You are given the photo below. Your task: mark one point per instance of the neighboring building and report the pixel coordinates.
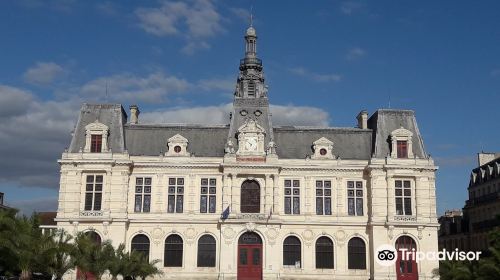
(250, 200)
(452, 231)
(47, 221)
(481, 213)
(3, 206)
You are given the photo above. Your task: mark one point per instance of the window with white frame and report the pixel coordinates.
(208, 195)
(324, 197)
(93, 192)
(175, 195)
(401, 143)
(142, 194)
(96, 137)
(292, 197)
(355, 198)
(403, 197)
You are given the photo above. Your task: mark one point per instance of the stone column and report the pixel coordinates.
(310, 192)
(276, 196)
(190, 190)
(235, 194)
(268, 194)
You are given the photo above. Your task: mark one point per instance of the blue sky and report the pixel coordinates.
(324, 62)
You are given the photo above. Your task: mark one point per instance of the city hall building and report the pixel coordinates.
(250, 200)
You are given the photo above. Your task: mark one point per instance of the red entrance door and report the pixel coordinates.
(249, 257)
(406, 268)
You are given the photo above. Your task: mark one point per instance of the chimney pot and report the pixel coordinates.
(134, 114)
(363, 119)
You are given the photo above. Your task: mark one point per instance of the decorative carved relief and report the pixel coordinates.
(250, 226)
(308, 236)
(157, 235)
(228, 234)
(420, 233)
(390, 232)
(271, 234)
(190, 234)
(341, 236)
(105, 227)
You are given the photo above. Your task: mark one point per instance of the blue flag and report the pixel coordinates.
(225, 214)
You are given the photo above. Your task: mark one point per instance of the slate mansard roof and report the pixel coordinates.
(293, 142)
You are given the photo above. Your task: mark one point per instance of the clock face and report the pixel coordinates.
(251, 144)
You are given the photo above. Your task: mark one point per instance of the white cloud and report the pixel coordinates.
(242, 14)
(455, 161)
(154, 88)
(33, 134)
(195, 20)
(282, 115)
(349, 7)
(193, 46)
(355, 53)
(225, 85)
(43, 73)
(302, 72)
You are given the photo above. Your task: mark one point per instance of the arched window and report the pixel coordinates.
(140, 243)
(250, 197)
(173, 251)
(356, 253)
(292, 251)
(324, 252)
(206, 251)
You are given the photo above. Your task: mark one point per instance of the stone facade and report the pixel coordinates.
(166, 180)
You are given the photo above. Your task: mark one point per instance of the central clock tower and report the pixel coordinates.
(251, 127)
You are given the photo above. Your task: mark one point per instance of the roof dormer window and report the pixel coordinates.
(96, 143)
(402, 147)
(96, 138)
(323, 149)
(401, 143)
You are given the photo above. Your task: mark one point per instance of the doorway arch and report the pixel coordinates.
(406, 269)
(249, 256)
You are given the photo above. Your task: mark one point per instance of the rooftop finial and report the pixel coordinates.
(251, 15)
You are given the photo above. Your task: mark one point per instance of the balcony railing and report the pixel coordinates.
(250, 60)
(404, 218)
(483, 199)
(91, 213)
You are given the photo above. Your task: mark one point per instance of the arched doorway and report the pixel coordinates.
(250, 197)
(96, 239)
(406, 268)
(249, 256)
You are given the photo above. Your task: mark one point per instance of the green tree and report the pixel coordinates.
(116, 263)
(60, 254)
(489, 267)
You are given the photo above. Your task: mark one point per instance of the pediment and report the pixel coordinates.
(177, 139)
(401, 132)
(251, 126)
(323, 141)
(96, 126)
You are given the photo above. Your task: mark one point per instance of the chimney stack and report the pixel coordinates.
(134, 114)
(363, 119)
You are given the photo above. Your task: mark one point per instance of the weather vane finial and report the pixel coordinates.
(251, 15)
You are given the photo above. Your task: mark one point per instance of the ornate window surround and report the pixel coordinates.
(96, 128)
(401, 134)
(320, 146)
(177, 141)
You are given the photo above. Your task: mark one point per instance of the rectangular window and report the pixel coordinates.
(355, 198)
(95, 143)
(402, 149)
(93, 193)
(403, 197)
(323, 197)
(292, 197)
(208, 195)
(175, 195)
(142, 194)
